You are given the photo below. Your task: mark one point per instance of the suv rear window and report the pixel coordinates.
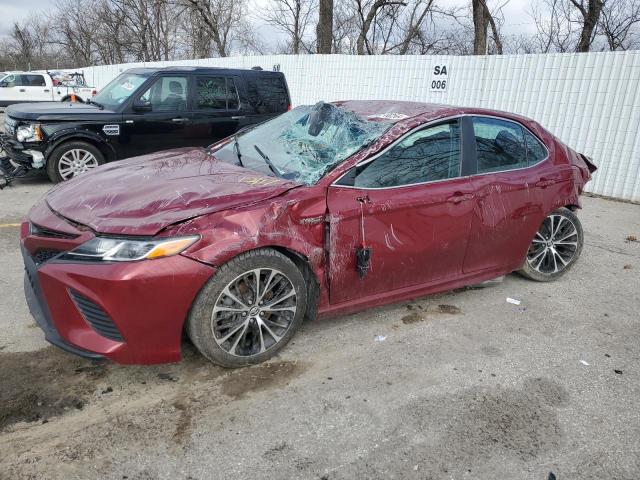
(267, 93)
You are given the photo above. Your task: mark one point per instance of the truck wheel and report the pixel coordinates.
(72, 159)
(68, 99)
(249, 309)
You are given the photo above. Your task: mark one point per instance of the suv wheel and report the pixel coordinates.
(249, 310)
(72, 159)
(555, 247)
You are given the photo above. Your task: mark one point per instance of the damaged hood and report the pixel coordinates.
(143, 195)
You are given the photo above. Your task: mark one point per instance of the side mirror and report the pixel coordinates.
(3, 84)
(142, 106)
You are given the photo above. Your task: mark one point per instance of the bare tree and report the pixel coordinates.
(567, 25)
(324, 29)
(619, 24)
(482, 19)
(292, 17)
(222, 17)
(590, 11)
(367, 12)
(28, 44)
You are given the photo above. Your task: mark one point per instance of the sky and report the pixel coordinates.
(515, 12)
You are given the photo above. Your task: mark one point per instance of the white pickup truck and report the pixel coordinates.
(26, 87)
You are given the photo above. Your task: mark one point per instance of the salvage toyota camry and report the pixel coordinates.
(327, 209)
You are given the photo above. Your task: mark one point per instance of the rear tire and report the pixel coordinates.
(249, 310)
(72, 159)
(555, 247)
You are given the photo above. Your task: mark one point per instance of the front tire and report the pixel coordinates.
(249, 310)
(555, 247)
(72, 159)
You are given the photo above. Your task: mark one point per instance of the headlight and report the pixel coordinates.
(29, 133)
(124, 250)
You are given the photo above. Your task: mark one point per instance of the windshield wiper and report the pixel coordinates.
(236, 147)
(272, 167)
(99, 105)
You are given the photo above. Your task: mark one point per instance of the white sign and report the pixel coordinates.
(439, 78)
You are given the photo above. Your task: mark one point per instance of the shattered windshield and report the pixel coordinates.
(303, 144)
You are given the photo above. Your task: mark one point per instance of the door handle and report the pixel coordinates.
(46, 90)
(21, 90)
(238, 117)
(544, 183)
(364, 199)
(178, 120)
(460, 197)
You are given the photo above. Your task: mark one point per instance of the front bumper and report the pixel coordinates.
(40, 311)
(79, 306)
(15, 150)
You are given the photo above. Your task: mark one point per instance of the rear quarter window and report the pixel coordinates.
(267, 93)
(536, 151)
(500, 145)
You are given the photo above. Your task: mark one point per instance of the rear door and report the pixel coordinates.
(164, 127)
(411, 207)
(508, 209)
(215, 109)
(35, 88)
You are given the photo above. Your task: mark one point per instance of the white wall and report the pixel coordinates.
(589, 100)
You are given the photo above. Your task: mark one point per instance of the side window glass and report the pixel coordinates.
(500, 145)
(10, 81)
(536, 152)
(266, 93)
(232, 95)
(167, 94)
(22, 81)
(211, 93)
(424, 156)
(35, 81)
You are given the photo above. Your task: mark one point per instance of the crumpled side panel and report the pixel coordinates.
(294, 221)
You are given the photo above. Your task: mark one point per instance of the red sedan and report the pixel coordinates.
(326, 209)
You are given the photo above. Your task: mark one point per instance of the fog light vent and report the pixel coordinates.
(96, 317)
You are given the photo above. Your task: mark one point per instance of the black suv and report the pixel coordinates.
(143, 110)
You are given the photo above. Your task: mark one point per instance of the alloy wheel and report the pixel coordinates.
(76, 161)
(254, 312)
(554, 245)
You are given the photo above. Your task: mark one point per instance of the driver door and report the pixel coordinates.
(411, 207)
(10, 90)
(164, 126)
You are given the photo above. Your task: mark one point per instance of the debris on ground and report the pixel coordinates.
(450, 309)
(631, 238)
(584, 362)
(627, 267)
(513, 300)
(380, 338)
(107, 390)
(168, 377)
(619, 372)
(414, 317)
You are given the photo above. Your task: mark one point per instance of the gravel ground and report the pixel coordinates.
(465, 385)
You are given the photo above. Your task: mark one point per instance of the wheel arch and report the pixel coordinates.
(67, 98)
(84, 136)
(313, 285)
(573, 207)
(304, 264)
